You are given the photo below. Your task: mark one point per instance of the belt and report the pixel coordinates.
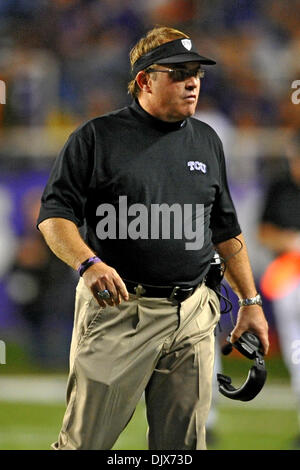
(170, 292)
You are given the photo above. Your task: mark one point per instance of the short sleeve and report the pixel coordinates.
(65, 194)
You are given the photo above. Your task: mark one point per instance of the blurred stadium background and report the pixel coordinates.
(65, 61)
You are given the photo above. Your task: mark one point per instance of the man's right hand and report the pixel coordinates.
(99, 277)
(64, 239)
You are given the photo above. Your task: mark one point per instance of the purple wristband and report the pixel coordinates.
(87, 263)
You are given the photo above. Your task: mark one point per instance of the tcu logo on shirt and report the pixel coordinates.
(197, 166)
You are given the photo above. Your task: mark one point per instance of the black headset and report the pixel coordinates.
(250, 346)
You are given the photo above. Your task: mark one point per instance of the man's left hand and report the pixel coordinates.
(251, 318)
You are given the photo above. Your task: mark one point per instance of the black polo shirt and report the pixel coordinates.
(116, 170)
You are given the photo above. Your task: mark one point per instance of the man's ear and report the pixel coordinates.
(144, 81)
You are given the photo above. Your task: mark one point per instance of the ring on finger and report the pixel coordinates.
(104, 294)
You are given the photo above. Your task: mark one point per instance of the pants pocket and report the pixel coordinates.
(88, 316)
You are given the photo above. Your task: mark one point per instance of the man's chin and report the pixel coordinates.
(182, 113)
(190, 111)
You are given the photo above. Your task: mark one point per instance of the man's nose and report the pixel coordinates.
(191, 83)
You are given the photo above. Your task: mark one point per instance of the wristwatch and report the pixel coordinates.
(257, 300)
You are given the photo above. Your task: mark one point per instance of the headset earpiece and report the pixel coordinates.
(250, 346)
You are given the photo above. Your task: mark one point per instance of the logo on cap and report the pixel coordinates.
(187, 43)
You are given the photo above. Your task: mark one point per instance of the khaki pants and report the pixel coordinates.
(145, 344)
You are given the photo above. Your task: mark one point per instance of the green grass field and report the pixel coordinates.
(34, 426)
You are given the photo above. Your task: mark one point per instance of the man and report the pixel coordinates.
(279, 231)
(141, 179)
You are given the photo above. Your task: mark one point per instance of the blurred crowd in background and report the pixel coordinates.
(66, 61)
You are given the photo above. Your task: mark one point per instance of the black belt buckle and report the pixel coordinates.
(180, 293)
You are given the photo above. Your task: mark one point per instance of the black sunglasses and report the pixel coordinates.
(179, 75)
